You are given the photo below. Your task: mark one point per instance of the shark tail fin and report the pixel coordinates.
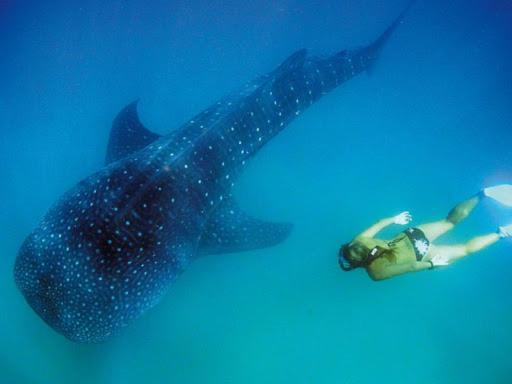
(372, 51)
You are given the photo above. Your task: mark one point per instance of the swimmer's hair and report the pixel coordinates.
(353, 255)
(357, 255)
(357, 252)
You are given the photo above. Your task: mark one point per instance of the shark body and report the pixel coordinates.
(110, 248)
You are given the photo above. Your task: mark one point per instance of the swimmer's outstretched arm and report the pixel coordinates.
(402, 219)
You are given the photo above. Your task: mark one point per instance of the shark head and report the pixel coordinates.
(50, 288)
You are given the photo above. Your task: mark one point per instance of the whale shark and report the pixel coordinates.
(111, 247)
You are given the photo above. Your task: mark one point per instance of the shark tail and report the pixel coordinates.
(372, 51)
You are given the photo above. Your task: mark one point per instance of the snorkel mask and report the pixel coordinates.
(343, 259)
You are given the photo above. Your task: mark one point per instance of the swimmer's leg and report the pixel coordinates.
(452, 253)
(433, 230)
(462, 210)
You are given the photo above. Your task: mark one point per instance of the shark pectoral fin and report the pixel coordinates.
(128, 135)
(231, 230)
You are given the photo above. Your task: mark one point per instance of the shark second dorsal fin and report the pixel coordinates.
(229, 230)
(128, 135)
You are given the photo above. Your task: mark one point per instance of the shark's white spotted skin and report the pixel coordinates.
(111, 246)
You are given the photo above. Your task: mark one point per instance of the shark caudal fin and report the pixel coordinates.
(368, 55)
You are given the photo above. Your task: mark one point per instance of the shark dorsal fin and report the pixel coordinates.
(128, 135)
(294, 61)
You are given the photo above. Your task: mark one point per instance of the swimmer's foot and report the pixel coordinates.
(505, 231)
(501, 193)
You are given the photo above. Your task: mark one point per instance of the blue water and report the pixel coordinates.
(429, 127)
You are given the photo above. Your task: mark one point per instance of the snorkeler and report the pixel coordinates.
(413, 249)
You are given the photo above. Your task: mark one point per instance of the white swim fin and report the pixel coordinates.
(501, 193)
(505, 231)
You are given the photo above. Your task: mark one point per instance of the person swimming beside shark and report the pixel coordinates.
(413, 249)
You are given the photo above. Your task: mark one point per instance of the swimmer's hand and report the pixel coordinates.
(440, 260)
(403, 218)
